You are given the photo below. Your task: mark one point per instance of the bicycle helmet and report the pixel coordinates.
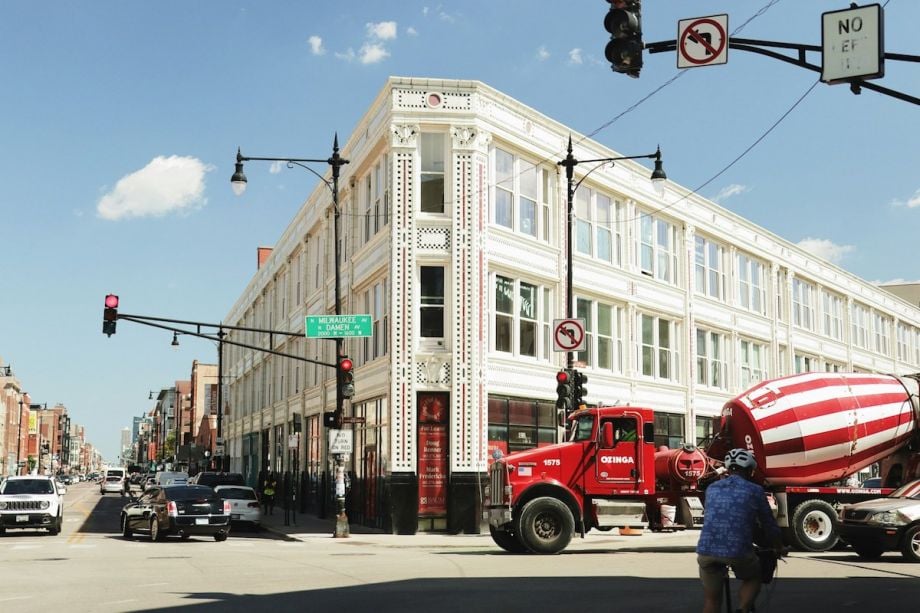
(740, 458)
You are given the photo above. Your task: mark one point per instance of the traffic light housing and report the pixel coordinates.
(346, 377)
(564, 390)
(110, 314)
(624, 22)
(329, 419)
(579, 389)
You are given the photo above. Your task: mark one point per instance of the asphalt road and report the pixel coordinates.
(90, 567)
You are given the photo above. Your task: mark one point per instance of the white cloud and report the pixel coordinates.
(542, 53)
(730, 190)
(316, 45)
(911, 203)
(348, 56)
(371, 53)
(444, 16)
(425, 11)
(165, 185)
(276, 167)
(384, 30)
(411, 31)
(826, 249)
(575, 56)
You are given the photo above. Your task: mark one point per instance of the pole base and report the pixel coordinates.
(341, 526)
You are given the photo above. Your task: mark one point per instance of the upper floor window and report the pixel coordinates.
(751, 293)
(711, 364)
(658, 248)
(658, 352)
(881, 329)
(805, 363)
(522, 196)
(803, 304)
(599, 228)
(431, 308)
(753, 363)
(833, 316)
(710, 268)
(907, 336)
(432, 174)
(518, 321)
(859, 325)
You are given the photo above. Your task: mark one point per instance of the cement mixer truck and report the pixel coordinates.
(807, 431)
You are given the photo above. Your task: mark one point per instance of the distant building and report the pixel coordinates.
(453, 240)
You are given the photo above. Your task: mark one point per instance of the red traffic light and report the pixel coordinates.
(562, 377)
(111, 301)
(345, 365)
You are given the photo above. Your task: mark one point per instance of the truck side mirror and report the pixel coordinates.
(607, 434)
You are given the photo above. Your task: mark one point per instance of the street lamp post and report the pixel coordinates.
(658, 178)
(238, 182)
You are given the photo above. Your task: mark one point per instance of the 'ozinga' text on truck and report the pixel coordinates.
(807, 432)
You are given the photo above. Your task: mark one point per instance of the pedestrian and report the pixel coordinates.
(735, 508)
(268, 492)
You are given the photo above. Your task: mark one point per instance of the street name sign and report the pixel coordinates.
(852, 44)
(702, 41)
(338, 326)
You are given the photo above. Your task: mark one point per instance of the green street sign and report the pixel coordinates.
(338, 326)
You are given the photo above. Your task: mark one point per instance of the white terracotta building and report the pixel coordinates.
(453, 240)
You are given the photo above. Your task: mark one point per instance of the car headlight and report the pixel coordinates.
(45, 504)
(887, 518)
(2, 506)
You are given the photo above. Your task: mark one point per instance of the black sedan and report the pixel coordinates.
(184, 510)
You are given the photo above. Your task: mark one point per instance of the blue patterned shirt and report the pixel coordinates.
(733, 507)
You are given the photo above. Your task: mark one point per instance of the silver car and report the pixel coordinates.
(244, 504)
(875, 526)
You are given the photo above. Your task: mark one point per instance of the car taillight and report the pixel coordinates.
(253, 505)
(172, 509)
(226, 507)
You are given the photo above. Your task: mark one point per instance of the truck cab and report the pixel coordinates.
(602, 476)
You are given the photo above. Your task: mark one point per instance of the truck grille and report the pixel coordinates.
(497, 483)
(23, 505)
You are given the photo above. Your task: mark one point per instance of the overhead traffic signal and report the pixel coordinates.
(579, 390)
(624, 22)
(346, 377)
(564, 390)
(110, 315)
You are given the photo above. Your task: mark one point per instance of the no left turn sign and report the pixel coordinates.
(568, 334)
(702, 41)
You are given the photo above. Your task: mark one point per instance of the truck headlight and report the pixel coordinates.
(2, 506)
(45, 504)
(887, 518)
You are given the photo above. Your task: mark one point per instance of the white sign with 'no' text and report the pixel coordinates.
(851, 44)
(341, 441)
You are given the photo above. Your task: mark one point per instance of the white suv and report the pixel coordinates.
(31, 501)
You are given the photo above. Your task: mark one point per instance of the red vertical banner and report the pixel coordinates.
(432, 454)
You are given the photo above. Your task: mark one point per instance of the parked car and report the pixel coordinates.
(148, 483)
(183, 510)
(873, 527)
(112, 481)
(31, 501)
(244, 504)
(213, 479)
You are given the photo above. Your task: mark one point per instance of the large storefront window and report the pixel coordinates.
(669, 430)
(518, 423)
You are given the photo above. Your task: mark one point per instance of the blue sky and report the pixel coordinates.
(120, 121)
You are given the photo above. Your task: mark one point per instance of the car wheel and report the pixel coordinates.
(155, 534)
(910, 546)
(125, 528)
(220, 537)
(868, 550)
(546, 525)
(814, 524)
(507, 540)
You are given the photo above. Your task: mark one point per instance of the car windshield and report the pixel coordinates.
(188, 492)
(237, 493)
(27, 486)
(909, 490)
(580, 429)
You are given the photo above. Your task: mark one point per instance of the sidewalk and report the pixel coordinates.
(307, 524)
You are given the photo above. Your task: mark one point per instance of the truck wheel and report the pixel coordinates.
(814, 525)
(546, 525)
(910, 546)
(506, 540)
(867, 550)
